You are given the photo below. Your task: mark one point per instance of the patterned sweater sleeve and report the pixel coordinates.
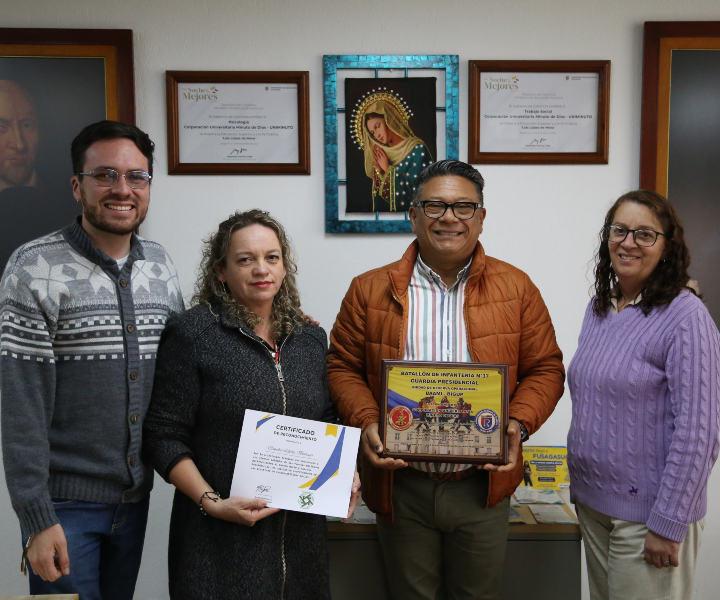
(27, 381)
(170, 420)
(693, 372)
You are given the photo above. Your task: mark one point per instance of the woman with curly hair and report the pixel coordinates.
(245, 344)
(644, 384)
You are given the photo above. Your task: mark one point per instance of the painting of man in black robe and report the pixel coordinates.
(44, 103)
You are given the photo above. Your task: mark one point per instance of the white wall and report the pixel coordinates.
(544, 219)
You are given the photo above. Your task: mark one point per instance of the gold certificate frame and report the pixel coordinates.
(444, 412)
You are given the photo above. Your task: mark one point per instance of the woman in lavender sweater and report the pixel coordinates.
(645, 385)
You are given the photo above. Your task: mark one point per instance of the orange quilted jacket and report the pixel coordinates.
(507, 323)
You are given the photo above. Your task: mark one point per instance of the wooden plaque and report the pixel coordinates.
(444, 412)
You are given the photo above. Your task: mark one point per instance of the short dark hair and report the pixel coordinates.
(109, 130)
(442, 168)
(670, 276)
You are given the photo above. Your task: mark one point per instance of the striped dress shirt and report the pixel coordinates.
(436, 329)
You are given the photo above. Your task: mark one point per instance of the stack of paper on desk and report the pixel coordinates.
(549, 514)
(528, 495)
(515, 516)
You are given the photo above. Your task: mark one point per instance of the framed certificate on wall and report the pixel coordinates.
(444, 412)
(539, 112)
(238, 122)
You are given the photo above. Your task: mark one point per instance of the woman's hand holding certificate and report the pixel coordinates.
(297, 464)
(245, 511)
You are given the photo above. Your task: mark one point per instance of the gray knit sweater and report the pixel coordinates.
(78, 342)
(210, 370)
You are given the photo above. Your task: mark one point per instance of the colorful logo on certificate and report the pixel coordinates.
(400, 418)
(306, 500)
(487, 421)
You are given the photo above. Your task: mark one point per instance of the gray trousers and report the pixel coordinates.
(617, 569)
(444, 544)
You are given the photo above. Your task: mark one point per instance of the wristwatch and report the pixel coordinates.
(523, 432)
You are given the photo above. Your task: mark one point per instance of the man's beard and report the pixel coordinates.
(92, 213)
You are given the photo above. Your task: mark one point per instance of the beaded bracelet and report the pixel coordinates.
(214, 496)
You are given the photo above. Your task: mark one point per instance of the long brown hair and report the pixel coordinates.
(286, 316)
(670, 276)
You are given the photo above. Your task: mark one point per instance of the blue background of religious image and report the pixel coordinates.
(68, 93)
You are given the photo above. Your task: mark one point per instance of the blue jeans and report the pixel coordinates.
(105, 544)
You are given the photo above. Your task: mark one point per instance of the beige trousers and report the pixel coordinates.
(617, 569)
(444, 544)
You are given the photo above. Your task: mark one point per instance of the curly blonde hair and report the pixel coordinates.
(286, 316)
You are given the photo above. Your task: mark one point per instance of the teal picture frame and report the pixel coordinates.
(448, 63)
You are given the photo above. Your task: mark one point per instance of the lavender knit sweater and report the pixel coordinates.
(644, 432)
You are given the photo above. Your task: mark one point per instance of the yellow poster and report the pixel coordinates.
(545, 467)
(445, 411)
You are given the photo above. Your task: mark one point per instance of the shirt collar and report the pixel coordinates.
(614, 302)
(80, 240)
(433, 277)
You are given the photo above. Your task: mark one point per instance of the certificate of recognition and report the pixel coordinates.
(296, 464)
(539, 112)
(444, 412)
(235, 123)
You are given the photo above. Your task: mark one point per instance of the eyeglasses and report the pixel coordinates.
(642, 237)
(105, 177)
(436, 209)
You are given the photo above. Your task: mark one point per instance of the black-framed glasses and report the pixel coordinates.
(436, 209)
(105, 177)
(642, 237)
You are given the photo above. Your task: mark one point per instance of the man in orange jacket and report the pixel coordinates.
(443, 527)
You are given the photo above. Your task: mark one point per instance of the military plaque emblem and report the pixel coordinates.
(400, 418)
(486, 421)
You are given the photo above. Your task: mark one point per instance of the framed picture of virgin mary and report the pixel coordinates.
(385, 116)
(386, 148)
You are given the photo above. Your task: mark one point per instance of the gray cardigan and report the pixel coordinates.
(77, 355)
(209, 370)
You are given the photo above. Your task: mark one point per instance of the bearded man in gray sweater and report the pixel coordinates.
(81, 313)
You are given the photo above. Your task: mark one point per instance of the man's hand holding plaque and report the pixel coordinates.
(372, 446)
(513, 431)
